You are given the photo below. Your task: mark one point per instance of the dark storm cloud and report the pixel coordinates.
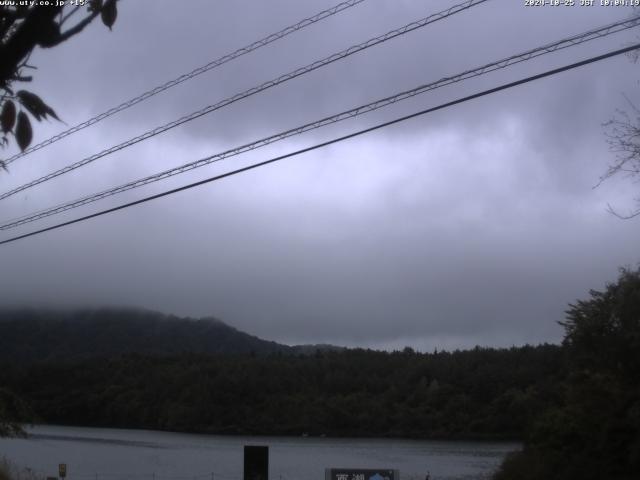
(477, 224)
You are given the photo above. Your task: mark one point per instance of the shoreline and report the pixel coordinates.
(448, 439)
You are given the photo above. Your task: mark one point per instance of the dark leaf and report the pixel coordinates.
(49, 34)
(109, 13)
(95, 5)
(24, 134)
(35, 105)
(3, 165)
(8, 116)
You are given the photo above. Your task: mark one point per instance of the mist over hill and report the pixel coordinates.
(28, 335)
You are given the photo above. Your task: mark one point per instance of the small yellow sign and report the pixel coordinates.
(62, 470)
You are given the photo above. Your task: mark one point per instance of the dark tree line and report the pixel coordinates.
(484, 393)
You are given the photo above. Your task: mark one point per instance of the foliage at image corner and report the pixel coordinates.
(23, 28)
(594, 433)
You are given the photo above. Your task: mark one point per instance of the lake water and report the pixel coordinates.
(113, 454)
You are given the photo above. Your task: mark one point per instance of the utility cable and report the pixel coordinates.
(330, 142)
(188, 76)
(252, 91)
(354, 112)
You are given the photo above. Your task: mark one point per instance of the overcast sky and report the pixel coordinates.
(475, 225)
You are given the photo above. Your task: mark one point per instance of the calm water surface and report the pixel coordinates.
(113, 454)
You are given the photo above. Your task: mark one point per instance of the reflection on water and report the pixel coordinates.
(112, 454)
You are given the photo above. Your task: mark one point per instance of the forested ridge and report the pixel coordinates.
(480, 393)
(28, 335)
(576, 406)
(142, 369)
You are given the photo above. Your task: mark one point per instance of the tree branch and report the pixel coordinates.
(68, 15)
(25, 38)
(77, 28)
(612, 211)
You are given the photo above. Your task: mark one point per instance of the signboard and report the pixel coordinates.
(62, 470)
(361, 474)
(256, 462)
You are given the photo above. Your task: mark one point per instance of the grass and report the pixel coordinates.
(9, 471)
(4, 471)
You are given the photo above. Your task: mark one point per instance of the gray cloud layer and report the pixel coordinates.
(477, 224)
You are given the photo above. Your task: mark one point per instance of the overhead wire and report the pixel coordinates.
(354, 112)
(254, 90)
(505, 86)
(188, 76)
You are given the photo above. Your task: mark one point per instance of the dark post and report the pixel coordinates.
(256, 462)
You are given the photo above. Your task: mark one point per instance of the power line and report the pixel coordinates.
(252, 91)
(188, 76)
(487, 68)
(330, 142)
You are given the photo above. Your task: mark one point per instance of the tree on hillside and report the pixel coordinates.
(22, 29)
(623, 137)
(622, 133)
(603, 333)
(13, 412)
(595, 433)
